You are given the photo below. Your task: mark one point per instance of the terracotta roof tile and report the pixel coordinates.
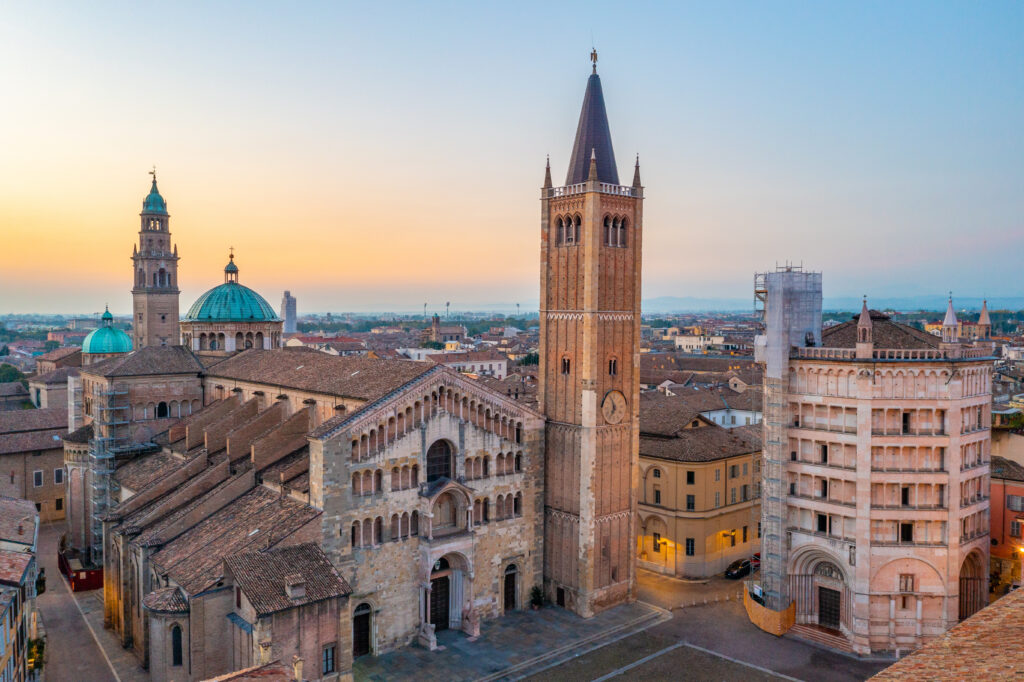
(14, 514)
(259, 518)
(56, 377)
(262, 577)
(884, 334)
(1006, 469)
(141, 471)
(147, 361)
(275, 671)
(988, 646)
(305, 370)
(166, 600)
(80, 435)
(30, 441)
(59, 353)
(13, 566)
(33, 420)
(9, 389)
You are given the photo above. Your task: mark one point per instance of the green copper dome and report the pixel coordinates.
(107, 339)
(154, 203)
(231, 302)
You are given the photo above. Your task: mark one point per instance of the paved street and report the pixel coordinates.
(71, 651)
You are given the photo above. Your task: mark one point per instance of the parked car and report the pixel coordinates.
(742, 567)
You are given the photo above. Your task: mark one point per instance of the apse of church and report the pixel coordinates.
(590, 332)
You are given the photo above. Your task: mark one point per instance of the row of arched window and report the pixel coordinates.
(163, 409)
(504, 507)
(376, 439)
(370, 532)
(615, 231)
(370, 481)
(161, 278)
(567, 230)
(504, 463)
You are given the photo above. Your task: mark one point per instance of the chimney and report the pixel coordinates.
(297, 668)
(295, 586)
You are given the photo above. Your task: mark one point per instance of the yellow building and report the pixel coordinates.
(698, 504)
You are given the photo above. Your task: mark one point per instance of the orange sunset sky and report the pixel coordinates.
(383, 155)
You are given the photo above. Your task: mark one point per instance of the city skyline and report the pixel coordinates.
(365, 174)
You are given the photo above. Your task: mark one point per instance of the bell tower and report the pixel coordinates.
(591, 234)
(155, 276)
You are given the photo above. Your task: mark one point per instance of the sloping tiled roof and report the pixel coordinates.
(986, 646)
(15, 513)
(80, 435)
(702, 444)
(59, 353)
(56, 377)
(262, 577)
(166, 600)
(1006, 469)
(260, 518)
(10, 389)
(14, 421)
(141, 471)
(148, 361)
(275, 671)
(30, 441)
(884, 334)
(354, 376)
(13, 566)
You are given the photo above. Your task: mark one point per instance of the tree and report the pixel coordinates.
(5, 351)
(531, 359)
(10, 373)
(51, 345)
(436, 345)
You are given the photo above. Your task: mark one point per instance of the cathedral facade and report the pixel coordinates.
(429, 501)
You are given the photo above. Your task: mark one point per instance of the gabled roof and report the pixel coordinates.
(148, 361)
(1006, 469)
(303, 369)
(17, 421)
(592, 136)
(166, 600)
(12, 388)
(262, 577)
(59, 353)
(57, 377)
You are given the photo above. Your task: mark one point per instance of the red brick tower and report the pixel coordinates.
(589, 359)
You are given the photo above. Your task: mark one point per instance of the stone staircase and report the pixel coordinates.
(826, 637)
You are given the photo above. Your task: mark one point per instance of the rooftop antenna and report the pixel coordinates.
(447, 309)
(424, 310)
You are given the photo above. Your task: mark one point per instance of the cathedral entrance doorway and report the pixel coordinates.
(828, 608)
(510, 588)
(361, 630)
(439, 596)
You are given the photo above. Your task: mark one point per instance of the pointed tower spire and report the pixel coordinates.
(636, 173)
(592, 133)
(865, 345)
(984, 323)
(950, 323)
(547, 174)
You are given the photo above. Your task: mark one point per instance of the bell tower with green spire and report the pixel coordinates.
(155, 275)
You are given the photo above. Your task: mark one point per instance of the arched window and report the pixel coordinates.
(176, 645)
(396, 530)
(154, 278)
(357, 537)
(613, 366)
(378, 481)
(414, 524)
(607, 231)
(213, 342)
(560, 238)
(519, 461)
(622, 233)
(161, 410)
(378, 530)
(439, 461)
(566, 365)
(517, 508)
(259, 339)
(576, 231)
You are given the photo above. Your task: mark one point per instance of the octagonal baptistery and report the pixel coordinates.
(230, 317)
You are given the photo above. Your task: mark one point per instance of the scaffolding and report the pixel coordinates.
(789, 301)
(111, 416)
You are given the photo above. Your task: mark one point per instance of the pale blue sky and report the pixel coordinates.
(879, 142)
